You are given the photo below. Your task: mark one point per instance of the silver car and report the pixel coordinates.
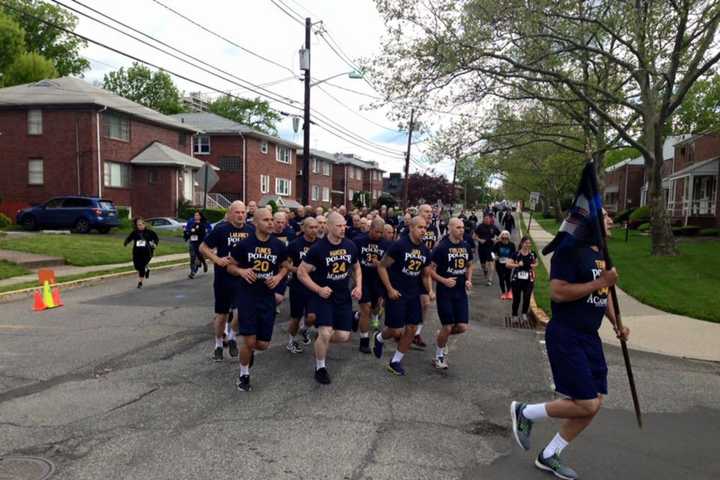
(165, 223)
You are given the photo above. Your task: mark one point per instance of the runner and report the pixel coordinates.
(251, 207)
(523, 263)
(298, 293)
(579, 287)
(430, 239)
(283, 232)
(322, 225)
(389, 233)
(402, 270)
(222, 239)
(144, 242)
(261, 262)
(503, 251)
(371, 248)
(452, 270)
(194, 233)
(486, 233)
(325, 271)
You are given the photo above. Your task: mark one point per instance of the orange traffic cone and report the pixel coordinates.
(38, 304)
(56, 297)
(47, 296)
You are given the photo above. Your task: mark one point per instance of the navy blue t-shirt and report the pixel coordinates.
(333, 266)
(286, 236)
(409, 261)
(224, 237)
(265, 258)
(297, 250)
(579, 265)
(431, 236)
(486, 232)
(504, 251)
(369, 251)
(452, 260)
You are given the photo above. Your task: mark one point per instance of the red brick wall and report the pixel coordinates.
(701, 148)
(259, 163)
(370, 184)
(323, 181)
(163, 192)
(231, 181)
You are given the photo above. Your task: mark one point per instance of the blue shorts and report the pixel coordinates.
(338, 315)
(372, 290)
(298, 300)
(577, 362)
(257, 317)
(223, 290)
(404, 311)
(452, 307)
(280, 289)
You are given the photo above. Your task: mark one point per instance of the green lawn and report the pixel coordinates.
(549, 224)
(685, 285)
(83, 250)
(9, 269)
(542, 279)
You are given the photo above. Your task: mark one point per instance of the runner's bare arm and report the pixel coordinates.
(382, 267)
(427, 281)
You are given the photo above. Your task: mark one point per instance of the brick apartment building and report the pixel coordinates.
(322, 165)
(67, 137)
(623, 183)
(352, 175)
(251, 164)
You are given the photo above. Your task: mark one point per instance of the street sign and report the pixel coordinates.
(207, 183)
(534, 199)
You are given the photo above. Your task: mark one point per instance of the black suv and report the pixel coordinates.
(80, 214)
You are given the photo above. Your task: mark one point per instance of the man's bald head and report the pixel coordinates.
(236, 213)
(377, 228)
(456, 229)
(418, 227)
(425, 211)
(335, 227)
(334, 218)
(263, 220)
(310, 228)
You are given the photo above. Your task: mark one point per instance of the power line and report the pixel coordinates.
(292, 17)
(294, 12)
(355, 112)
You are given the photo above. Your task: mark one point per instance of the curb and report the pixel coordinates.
(537, 313)
(27, 292)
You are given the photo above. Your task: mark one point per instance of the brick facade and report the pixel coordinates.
(319, 181)
(623, 186)
(373, 183)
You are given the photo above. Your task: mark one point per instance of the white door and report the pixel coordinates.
(187, 185)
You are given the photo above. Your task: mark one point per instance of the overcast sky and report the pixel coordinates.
(263, 28)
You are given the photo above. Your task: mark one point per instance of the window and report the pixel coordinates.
(351, 194)
(153, 176)
(283, 154)
(230, 163)
(117, 175)
(315, 193)
(54, 203)
(264, 183)
(35, 172)
(263, 147)
(283, 186)
(326, 168)
(315, 165)
(77, 203)
(201, 145)
(34, 119)
(326, 194)
(116, 127)
(182, 139)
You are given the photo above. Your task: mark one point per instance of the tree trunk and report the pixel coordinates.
(662, 239)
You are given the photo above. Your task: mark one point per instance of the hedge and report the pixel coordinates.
(710, 232)
(5, 221)
(624, 216)
(645, 227)
(212, 214)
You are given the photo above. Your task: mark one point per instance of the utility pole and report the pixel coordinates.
(455, 169)
(305, 55)
(407, 159)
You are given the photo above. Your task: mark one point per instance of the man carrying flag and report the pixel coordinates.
(580, 288)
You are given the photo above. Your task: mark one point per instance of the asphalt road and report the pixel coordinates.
(119, 384)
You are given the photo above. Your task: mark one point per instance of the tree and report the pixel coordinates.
(429, 187)
(138, 83)
(253, 113)
(12, 42)
(29, 67)
(700, 111)
(61, 48)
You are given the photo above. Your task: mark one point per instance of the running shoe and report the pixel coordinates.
(232, 348)
(555, 466)
(356, 321)
(365, 345)
(522, 426)
(508, 296)
(191, 276)
(378, 348)
(418, 342)
(440, 363)
(396, 368)
(139, 284)
(503, 296)
(305, 336)
(489, 283)
(147, 272)
(322, 376)
(524, 317)
(294, 347)
(218, 354)
(243, 383)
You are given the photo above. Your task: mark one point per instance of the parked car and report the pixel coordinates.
(79, 214)
(165, 223)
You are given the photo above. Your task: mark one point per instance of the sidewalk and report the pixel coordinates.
(66, 270)
(652, 330)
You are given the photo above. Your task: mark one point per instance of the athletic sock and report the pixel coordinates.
(418, 329)
(376, 317)
(231, 336)
(397, 358)
(379, 337)
(218, 342)
(319, 364)
(244, 369)
(556, 446)
(536, 411)
(364, 334)
(439, 351)
(291, 338)
(302, 323)
(227, 329)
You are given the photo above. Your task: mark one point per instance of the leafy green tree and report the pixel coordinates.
(12, 42)
(253, 113)
(29, 67)
(138, 83)
(700, 111)
(58, 46)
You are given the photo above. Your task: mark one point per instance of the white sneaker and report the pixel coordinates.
(440, 363)
(524, 317)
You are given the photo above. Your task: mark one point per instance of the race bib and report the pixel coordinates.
(523, 275)
(140, 243)
(193, 238)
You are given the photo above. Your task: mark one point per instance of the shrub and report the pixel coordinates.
(212, 214)
(123, 213)
(4, 221)
(641, 215)
(645, 227)
(623, 216)
(710, 232)
(686, 231)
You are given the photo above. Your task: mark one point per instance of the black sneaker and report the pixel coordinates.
(139, 284)
(204, 267)
(147, 272)
(191, 276)
(232, 348)
(322, 376)
(218, 354)
(365, 345)
(243, 383)
(554, 465)
(305, 336)
(378, 348)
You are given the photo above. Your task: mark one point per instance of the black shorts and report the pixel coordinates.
(299, 296)
(257, 316)
(338, 315)
(372, 291)
(223, 290)
(485, 251)
(403, 311)
(280, 289)
(452, 307)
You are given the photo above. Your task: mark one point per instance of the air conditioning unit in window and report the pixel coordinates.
(300, 173)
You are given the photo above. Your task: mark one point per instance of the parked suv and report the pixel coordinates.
(80, 214)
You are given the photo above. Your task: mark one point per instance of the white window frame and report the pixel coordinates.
(34, 122)
(326, 169)
(123, 127)
(264, 147)
(109, 179)
(315, 193)
(351, 195)
(36, 176)
(315, 163)
(264, 183)
(326, 194)
(281, 158)
(284, 192)
(198, 145)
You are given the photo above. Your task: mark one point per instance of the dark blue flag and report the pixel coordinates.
(581, 227)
